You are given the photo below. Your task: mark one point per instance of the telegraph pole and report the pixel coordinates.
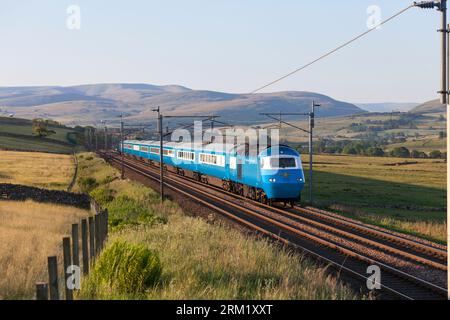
(122, 169)
(161, 157)
(311, 128)
(441, 6)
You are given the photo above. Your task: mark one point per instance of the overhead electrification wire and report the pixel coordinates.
(334, 50)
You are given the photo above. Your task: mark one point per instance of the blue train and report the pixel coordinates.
(271, 175)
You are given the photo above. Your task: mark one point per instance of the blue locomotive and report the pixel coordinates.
(273, 174)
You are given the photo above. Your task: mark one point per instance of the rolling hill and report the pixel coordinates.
(433, 106)
(86, 104)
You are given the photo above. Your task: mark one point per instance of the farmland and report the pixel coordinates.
(409, 197)
(16, 134)
(29, 232)
(43, 170)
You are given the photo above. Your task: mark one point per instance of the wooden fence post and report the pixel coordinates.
(67, 263)
(41, 291)
(84, 246)
(91, 238)
(53, 277)
(97, 233)
(75, 245)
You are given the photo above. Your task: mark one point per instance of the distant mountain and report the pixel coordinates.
(387, 106)
(86, 104)
(433, 106)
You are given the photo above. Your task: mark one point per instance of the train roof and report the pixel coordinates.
(215, 147)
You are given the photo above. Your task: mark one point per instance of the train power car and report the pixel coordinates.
(271, 175)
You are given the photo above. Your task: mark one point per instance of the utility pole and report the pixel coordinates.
(161, 156)
(122, 169)
(311, 128)
(441, 6)
(106, 137)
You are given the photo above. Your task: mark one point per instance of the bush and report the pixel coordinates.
(436, 154)
(102, 195)
(400, 152)
(107, 179)
(124, 210)
(375, 152)
(126, 268)
(89, 158)
(87, 184)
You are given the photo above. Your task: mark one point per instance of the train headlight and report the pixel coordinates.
(299, 179)
(272, 180)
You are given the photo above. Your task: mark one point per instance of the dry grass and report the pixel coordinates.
(44, 170)
(29, 232)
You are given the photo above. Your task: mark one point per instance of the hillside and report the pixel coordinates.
(88, 103)
(388, 106)
(433, 106)
(17, 134)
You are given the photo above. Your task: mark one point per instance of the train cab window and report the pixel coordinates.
(278, 163)
(283, 162)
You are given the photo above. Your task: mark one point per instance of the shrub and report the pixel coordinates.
(436, 154)
(102, 195)
(124, 210)
(400, 152)
(126, 268)
(87, 184)
(107, 179)
(89, 158)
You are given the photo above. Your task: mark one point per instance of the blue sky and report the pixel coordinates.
(223, 45)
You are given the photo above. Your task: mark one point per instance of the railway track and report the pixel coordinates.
(335, 241)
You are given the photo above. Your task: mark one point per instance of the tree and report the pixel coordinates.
(375, 152)
(418, 154)
(349, 149)
(400, 152)
(39, 127)
(436, 154)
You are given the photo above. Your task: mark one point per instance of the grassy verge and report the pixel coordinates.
(29, 232)
(408, 198)
(44, 170)
(196, 260)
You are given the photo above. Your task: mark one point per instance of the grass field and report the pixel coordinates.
(409, 198)
(29, 232)
(202, 260)
(44, 170)
(16, 134)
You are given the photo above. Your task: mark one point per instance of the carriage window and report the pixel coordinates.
(144, 149)
(186, 155)
(168, 152)
(154, 150)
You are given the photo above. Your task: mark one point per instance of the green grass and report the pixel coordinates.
(410, 198)
(201, 260)
(16, 134)
(25, 144)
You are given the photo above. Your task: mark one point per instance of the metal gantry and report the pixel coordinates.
(311, 116)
